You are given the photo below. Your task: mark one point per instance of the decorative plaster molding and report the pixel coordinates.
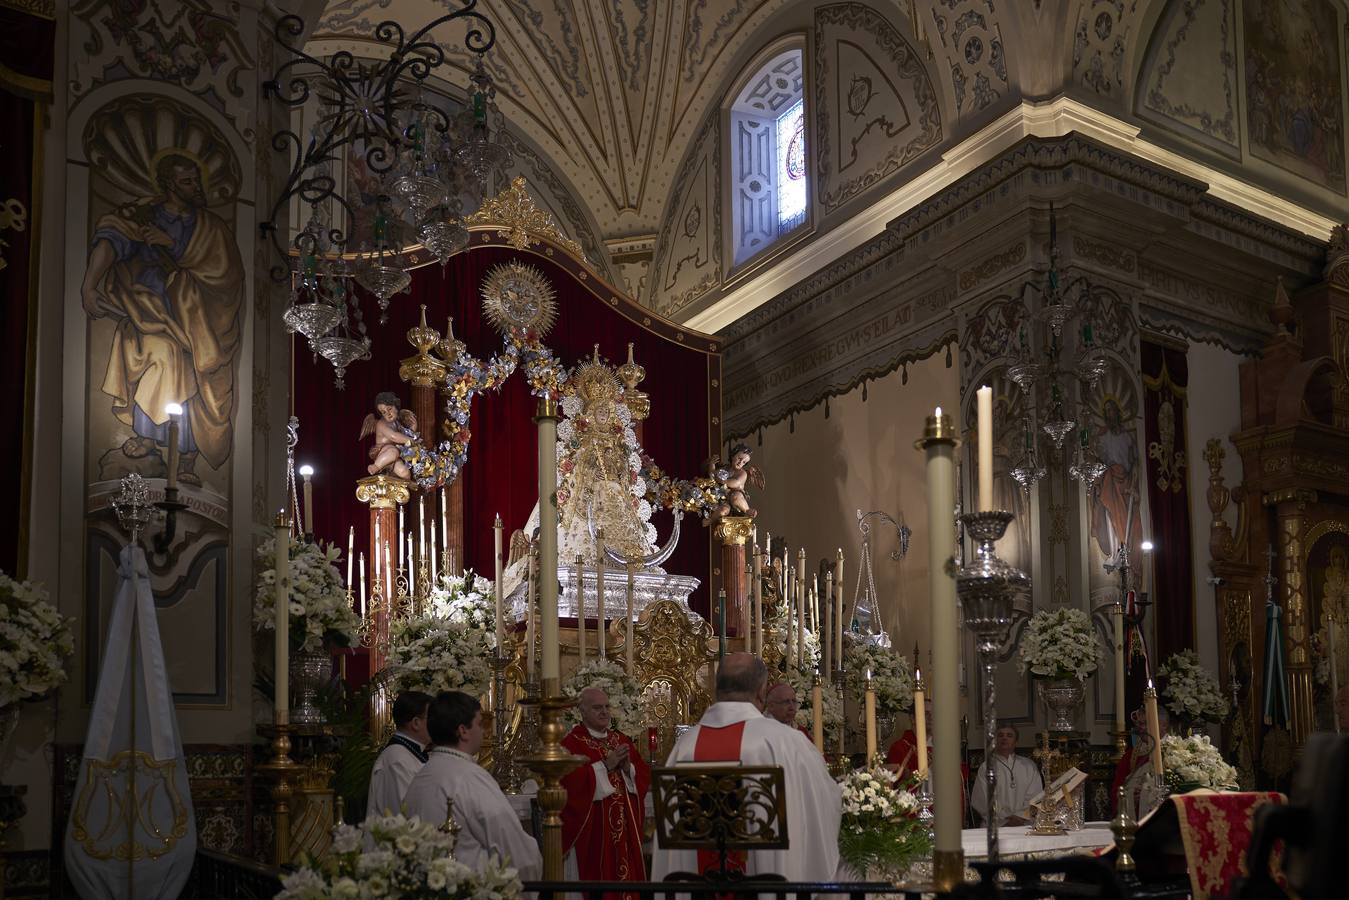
(1047, 119)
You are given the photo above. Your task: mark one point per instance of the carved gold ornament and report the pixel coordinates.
(383, 491)
(520, 222)
(518, 297)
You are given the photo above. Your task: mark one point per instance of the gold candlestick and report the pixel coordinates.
(551, 762)
(284, 771)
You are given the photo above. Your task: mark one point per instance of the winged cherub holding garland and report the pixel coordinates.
(393, 428)
(734, 479)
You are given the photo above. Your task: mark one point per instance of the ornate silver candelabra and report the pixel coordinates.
(989, 588)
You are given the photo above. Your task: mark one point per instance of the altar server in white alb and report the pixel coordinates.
(734, 729)
(1018, 780)
(488, 825)
(401, 758)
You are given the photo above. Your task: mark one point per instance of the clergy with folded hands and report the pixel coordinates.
(606, 800)
(734, 730)
(488, 826)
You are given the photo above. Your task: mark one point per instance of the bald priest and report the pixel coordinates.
(735, 730)
(606, 800)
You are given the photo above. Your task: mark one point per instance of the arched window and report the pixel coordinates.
(768, 191)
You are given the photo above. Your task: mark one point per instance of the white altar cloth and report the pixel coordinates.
(1016, 841)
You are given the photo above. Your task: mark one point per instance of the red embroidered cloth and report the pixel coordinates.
(1216, 830)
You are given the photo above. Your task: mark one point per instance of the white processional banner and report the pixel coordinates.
(132, 833)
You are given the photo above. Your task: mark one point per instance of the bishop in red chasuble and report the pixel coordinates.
(606, 800)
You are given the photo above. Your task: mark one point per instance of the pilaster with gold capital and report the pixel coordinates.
(733, 533)
(383, 494)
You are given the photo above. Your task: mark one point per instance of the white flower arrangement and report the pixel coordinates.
(776, 621)
(466, 599)
(411, 860)
(880, 832)
(319, 611)
(830, 702)
(1191, 691)
(890, 677)
(1194, 762)
(447, 647)
(1059, 643)
(625, 694)
(35, 641)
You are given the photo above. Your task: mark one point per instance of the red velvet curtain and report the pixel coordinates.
(501, 473)
(1165, 377)
(26, 46)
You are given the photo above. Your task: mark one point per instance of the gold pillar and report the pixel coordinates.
(284, 771)
(732, 532)
(383, 494)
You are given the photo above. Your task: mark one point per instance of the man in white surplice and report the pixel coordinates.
(1018, 780)
(735, 729)
(402, 758)
(488, 825)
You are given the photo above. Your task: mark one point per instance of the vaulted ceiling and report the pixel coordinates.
(611, 92)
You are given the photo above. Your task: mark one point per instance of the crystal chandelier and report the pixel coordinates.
(1047, 372)
(432, 168)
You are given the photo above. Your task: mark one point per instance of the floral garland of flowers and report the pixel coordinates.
(410, 860)
(880, 833)
(1059, 643)
(1194, 762)
(469, 377)
(319, 611)
(1191, 692)
(35, 641)
(830, 703)
(625, 694)
(700, 495)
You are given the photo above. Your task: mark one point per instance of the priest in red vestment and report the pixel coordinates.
(606, 800)
(902, 757)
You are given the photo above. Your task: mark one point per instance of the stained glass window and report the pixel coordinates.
(791, 167)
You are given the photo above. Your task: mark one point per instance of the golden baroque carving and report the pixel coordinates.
(670, 652)
(520, 222)
(422, 370)
(1236, 606)
(383, 491)
(733, 530)
(992, 266)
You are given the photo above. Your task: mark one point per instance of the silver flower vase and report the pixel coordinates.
(1062, 697)
(310, 670)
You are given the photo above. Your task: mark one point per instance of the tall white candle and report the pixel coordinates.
(496, 562)
(411, 569)
(547, 469)
(920, 721)
(307, 473)
(788, 596)
(599, 589)
(826, 617)
(801, 605)
(869, 706)
(631, 660)
(985, 403)
(938, 444)
(756, 576)
(171, 466)
(362, 606)
(377, 553)
(434, 570)
(281, 567)
(445, 531)
(838, 609)
(532, 579)
(580, 609)
(351, 552)
(1117, 617)
(402, 530)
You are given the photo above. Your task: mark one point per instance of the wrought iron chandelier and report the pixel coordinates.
(1056, 367)
(431, 168)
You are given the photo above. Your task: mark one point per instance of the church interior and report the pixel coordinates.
(939, 401)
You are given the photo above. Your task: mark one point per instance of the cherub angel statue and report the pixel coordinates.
(734, 480)
(393, 429)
